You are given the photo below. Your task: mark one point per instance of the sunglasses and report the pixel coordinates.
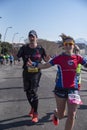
(68, 43)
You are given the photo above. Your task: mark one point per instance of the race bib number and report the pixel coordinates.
(32, 69)
(74, 99)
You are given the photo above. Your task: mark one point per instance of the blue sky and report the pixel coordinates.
(49, 18)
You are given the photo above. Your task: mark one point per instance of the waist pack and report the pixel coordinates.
(33, 69)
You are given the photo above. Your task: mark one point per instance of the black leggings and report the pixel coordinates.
(31, 84)
(33, 98)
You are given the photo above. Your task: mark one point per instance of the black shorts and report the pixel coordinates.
(31, 81)
(63, 93)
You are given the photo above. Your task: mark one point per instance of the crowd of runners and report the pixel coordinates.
(7, 59)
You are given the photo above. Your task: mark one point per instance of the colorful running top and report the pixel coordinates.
(66, 74)
(35, 54)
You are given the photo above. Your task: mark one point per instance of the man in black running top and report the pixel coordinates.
(32, 75)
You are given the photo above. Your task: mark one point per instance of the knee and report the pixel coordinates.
(32, 95)
(28, 94)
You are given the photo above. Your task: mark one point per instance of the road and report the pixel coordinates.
(14, 106)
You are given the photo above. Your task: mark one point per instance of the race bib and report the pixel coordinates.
(74, 99)
(32, 69)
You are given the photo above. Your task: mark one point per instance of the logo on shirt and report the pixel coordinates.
(70, 62)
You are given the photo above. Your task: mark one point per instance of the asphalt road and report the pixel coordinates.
(14, 106)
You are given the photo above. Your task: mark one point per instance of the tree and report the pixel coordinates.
(6, 48)
(0, 37)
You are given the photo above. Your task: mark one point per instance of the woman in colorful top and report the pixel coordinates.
(66, 87)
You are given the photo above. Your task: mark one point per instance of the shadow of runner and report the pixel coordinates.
(16, 124)
(11, 123)
(82, 107)
(83, 90)
(6, 88)
(17, 100)
(45, 119)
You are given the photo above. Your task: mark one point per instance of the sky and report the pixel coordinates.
(49, 18)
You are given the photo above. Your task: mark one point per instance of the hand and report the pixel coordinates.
(29, 62)
(77, 47)
(32, 64)
(47, 58)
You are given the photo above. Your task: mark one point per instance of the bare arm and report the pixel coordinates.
(40, 66)
(44, 66)
(47, 58)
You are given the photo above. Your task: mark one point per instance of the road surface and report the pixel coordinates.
(14, 106)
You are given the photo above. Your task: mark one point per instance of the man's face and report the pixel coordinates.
(32, 39)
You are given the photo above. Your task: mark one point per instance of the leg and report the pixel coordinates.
(59, 113)
(33, 98)
(72, 108)
(27, 86)
(34, 85)
(61, 105)
(30, 98)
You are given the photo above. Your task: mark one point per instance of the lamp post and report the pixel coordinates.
(20, 39)
(14, 36)
(6, 32)
(13, 45)
(0, 32)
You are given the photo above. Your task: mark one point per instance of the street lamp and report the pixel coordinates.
(14, 36)
(6, 32)
(20, 39)
(0, 18)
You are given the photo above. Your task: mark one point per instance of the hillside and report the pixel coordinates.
(54, 48)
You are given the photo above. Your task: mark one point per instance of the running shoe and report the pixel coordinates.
(55, 120)
(35, 118)
(31, 112)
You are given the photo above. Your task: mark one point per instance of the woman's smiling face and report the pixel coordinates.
(69, 45)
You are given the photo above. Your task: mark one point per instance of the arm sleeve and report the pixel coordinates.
(51, 62)
(55, 61)
(82, 61)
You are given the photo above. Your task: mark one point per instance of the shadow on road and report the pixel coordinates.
(82, 107)
(24, 121)
(11, 88)
(12, 77)
(9, 101)
(83, 90)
